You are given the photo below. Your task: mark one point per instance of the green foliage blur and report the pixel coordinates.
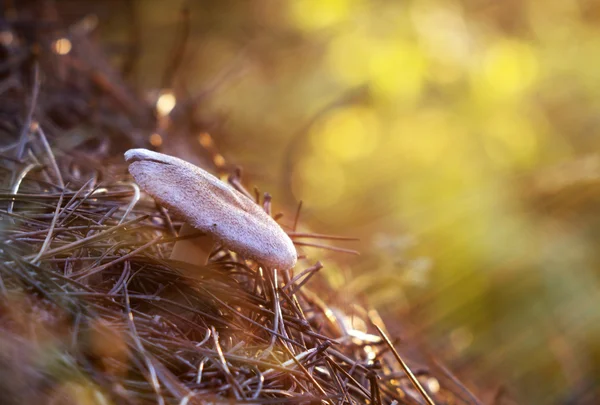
(457, 139)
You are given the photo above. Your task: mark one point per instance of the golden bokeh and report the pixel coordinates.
(156, 140)
(347, 134)
(468, 127)
(62, 46)
(165, 103)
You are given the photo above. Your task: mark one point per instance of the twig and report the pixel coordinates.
(51, 158)
(406, 369)
(50, 230)
(140, 347)
(17, 184)
(320, 236)
(29, 117)
(311, 271)
(325, 247)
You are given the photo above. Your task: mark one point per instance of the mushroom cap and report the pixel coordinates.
(212, 206)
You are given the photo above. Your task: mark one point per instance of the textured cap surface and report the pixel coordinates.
(212, 206)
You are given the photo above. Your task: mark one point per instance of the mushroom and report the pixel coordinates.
(207, 204)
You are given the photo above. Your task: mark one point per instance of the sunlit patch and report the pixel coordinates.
(165, 103)
(348, 134)
(511, 141)
(62, 46)
(509, 69)
(318, 14)
(320, 177)
(156, 140)
(360, 338)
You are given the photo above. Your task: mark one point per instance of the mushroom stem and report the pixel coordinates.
(193, 251)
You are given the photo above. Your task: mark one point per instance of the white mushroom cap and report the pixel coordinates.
(212, 206)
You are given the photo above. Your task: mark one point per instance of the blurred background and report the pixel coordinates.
(457, 139)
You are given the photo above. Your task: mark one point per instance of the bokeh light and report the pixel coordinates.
(156, 140)
(62, 46)
(468, 127)
(319, 14)
(348, 134)
(165, 103)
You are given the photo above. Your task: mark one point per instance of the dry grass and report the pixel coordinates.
(91, 308)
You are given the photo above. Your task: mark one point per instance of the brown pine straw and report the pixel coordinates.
(91, 308)
(236, 332)
(406, 369)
